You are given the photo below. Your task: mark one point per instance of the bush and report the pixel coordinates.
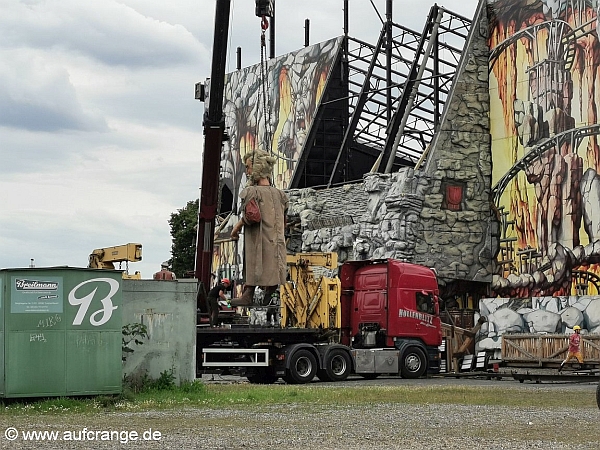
(165, 382)
(193, 387)
(144, 383)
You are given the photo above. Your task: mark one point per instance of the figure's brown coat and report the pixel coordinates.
(264, 242)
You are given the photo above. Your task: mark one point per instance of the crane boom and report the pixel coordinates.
(214, 125)
(105, 258)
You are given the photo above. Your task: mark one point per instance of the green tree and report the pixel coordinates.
(183, 231)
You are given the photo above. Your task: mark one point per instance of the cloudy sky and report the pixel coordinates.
(100, 135)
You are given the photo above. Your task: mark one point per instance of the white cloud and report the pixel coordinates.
(100, 135)
(108, 31)
(36, 94)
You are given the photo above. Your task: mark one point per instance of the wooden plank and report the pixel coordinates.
(540, 348)
(519, 348)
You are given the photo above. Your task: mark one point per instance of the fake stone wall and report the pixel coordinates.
(438, 214)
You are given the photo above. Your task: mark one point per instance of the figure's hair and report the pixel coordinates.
(262, 165)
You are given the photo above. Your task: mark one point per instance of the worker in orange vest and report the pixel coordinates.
(574, 347)
(165, 273)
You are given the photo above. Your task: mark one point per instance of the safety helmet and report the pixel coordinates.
(226, 280)
(576, 327)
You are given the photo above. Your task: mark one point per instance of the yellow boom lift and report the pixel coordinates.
(105, 258)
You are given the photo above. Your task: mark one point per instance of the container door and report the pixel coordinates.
(34, 333)
(93, 338)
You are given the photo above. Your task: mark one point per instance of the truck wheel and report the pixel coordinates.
(414, 363)
(598, 395)
(337, 366)
(261, 377)
(303, 367)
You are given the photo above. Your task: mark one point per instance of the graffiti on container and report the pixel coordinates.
(50, 321)
(87, 340)
(37, 337)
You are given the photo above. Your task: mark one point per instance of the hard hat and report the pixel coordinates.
(226, 280)
(576, 327)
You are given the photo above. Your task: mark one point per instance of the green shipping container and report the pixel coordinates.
(60, 332)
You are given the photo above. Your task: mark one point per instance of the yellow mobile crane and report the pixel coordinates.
(311, 299)
(104, 258)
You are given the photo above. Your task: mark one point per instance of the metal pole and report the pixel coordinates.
(306, 32)
(388, 58)
(272, 34)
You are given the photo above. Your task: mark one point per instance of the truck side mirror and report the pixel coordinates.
(436, 305)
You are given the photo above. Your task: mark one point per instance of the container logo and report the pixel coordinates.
(35, 285)
(34, 295)
(84, 302)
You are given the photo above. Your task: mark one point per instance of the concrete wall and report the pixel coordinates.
(168, 309)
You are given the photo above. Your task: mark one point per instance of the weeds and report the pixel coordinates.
(142, 382)
(163, 394)
(165, 382)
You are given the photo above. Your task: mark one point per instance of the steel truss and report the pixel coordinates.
(398, 88)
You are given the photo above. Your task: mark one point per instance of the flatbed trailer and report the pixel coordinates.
(265, 354)
(297, 355)
(578, 376)
(246, 335)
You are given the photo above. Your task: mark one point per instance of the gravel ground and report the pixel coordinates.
(377, 426)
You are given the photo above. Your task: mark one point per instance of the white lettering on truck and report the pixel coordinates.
(416, 315)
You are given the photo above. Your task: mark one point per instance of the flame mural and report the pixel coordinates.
(273, 108)
(543, 67)
(270, 107)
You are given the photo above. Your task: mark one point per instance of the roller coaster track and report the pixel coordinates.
(574, 136)
(531, 34)
(583, 280)
(568, 37)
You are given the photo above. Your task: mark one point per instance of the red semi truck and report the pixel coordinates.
(388, 324)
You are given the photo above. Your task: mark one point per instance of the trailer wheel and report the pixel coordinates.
(598, 395)
(303, 367)
(337, 366)
(414, 363)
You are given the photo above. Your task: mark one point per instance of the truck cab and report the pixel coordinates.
(392, 305)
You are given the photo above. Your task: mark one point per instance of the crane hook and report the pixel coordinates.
(264, 23)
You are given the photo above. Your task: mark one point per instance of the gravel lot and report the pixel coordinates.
(377, 426)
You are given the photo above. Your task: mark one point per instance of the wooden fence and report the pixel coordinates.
(539, 349)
